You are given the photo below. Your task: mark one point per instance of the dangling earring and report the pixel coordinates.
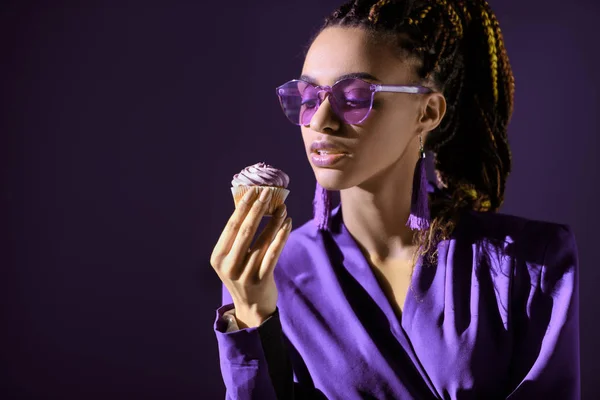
(322, 207)
(419, 204)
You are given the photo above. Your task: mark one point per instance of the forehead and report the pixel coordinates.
(339, 51)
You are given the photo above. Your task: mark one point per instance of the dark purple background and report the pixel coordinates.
(121, 125)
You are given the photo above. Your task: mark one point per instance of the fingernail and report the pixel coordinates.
(248, 196)
(265, 195)
(287, 225)
(281, 211)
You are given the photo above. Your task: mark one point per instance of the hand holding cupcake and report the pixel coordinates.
(246, 268)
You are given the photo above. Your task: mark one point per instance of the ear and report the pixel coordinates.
(432, 111)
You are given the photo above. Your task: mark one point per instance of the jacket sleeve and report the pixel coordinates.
(254, 361)
(546, 317)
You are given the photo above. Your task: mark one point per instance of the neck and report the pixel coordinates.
(375, 212)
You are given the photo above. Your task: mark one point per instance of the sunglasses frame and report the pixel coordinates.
(374, 88)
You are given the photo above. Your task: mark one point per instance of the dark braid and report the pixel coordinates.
(462, 54)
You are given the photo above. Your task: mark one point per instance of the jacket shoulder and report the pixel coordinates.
(523, 237)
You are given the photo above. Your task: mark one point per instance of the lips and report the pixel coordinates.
(326, 154)
(325, 148)
(327, 160)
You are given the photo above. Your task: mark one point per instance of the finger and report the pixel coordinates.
(239, 249)
(234, 223)
(261, 244)
(268, 234)
(274, 251)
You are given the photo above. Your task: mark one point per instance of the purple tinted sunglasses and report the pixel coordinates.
(351, 98)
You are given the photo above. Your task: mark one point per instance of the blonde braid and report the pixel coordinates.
(506, 69)
(493, 53)
(375, 9)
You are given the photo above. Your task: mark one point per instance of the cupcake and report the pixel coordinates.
(261, 176)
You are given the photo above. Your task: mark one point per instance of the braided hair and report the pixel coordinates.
(462, 54)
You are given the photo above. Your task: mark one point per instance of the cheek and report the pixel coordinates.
(387, 135)
(306, 136)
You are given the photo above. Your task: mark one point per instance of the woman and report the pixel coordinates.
(398, 293)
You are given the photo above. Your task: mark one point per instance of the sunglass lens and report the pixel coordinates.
(299, 101)
(353, 100)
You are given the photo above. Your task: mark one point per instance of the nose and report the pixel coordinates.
(325, 118)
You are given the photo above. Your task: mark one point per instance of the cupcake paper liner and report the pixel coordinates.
(278, 197)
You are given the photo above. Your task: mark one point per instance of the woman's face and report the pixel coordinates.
(390, 132)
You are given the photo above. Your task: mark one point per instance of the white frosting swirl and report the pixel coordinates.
(261, 174)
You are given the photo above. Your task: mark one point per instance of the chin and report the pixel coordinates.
(333, 179)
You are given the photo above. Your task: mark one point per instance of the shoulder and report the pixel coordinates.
(535, 242)
(530, 263)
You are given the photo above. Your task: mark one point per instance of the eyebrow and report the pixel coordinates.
(359, 75)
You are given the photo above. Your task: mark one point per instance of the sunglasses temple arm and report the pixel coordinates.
(402, 89)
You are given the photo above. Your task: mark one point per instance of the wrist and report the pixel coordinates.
(250, 317)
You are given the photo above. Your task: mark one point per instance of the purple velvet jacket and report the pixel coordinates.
(495, 318)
